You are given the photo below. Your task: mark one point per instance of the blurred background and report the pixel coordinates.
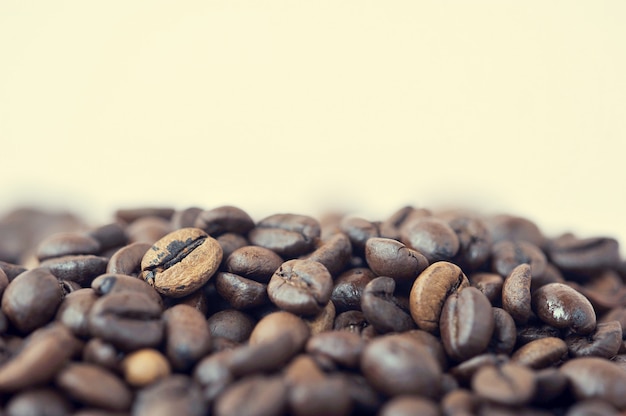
(305, 107)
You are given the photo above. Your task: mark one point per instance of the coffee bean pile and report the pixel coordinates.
(206, 311)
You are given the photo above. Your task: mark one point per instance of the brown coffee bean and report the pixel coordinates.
(514, 228)
(399, 364)
(78, 381)
(387, 257)
(531, 333)
(504, 332)
(392, 227)
(466, 370)
(231, 324)
(551, 275)
(550, 384)
(187, 336)
(127, 260)
(359, 230)
(561, 306)
(224, 219)
(516, 293)
(148, 229)
(334, 253)
(300, 286)
(466, 324)
(584, 254)
(145, 366)
(329, 397)
(174, 395)
(103, 354)
(11, 270)
(129, 215)
(348, 289)
(231, 242)
(507, 255)
(430, 291)
(185, 218)
(253, 262)
(255, 395)
(596, 378)
(108, 283)
(80, 268)
(128, 320)
(604, 342)
(38, 360)
(409, 405)
(239, 292)
(273, 325)
(474, 240)
(541, 353)
(459, 402)
(509, 384)
(74, 311)
(342, 347)
(323, 321)
(488, 283)
(289, 235)
(592, 407)
(31, 299)
(382, 309)
(213, 374)
(39, 401)
(432, 344)
(181, 262)
(351, 321)
(110, 235)
(432, 237)
(66, 243)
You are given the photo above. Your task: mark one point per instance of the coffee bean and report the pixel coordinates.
(66, 243)
(42, 355)
(516, 293)
(459, 402)
(185, 218)
(11, 270)
(289, 235)
(301, 287)
(387, 257)
(31, 299)
(197, 300)
(551, 275)
(127, 260)
(514, 228)
(224, 219)
(392, 227)
(348, 288)
(431, 289)
(187, 335)
(229, 243)
(359, 230)
(596, 378)
(541, 353)
(560, 306)
(323, 321)
(551, 383)
(39, 401)
(74, 311)
(342, 347)
(76, 268)
(253, 262)
(109, 235)
(432, 237)
(144, 367)
(592, 407)
(119, 283)
(255, 395)
(78, 381)
(409, 405)
(148, 229)
(432, 344)
(129, 215)
(488, 283)
(584, 254)
(174, 395)
(272, 326)
(534, 332)
(466, 370)
(466, 324)
(509, 384)
(231, 324)
(604, 342)
(398, 364)
(504, 332)
(239, 292)
(351, 321)
(128, 320)
(381, 308)
(181, 262)
(334, 253)
(474, 240)
(103, 354)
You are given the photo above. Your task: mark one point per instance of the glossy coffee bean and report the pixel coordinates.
(185, 218)
(66, 243)
(561, 306)
(504, 332)
(430, 291)
(109, 283)
(300, 286)
(181, 262)
(466, 324)
(382, 309)
(351, 321)
(516, 293)
(231, 324)
(31, 299)
(432, 237)
(584, 254)
(488, 283)
(253, 262)
(109, 235)
(474, 240)
(80, 268)
(510, 384)
(514, 228)
(359, 231)
(187, 336)
(127, 259)
(224, 219)
(258, 395)
(387, 257)
(605, 341)
(541, 353)
(174, 395)
(507, 255)
(144, 367)
(288, 235)
(342, 347)
(593, 377)
(39, 401)
(348, 288)
(74, 311)
(334, 253)
(240, 292)
(398, 364)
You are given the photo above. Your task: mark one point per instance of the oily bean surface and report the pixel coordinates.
(433, 237)
(187, 334)
(253, 262)
(127, 259)
(348, 288)
(516, 293)
(66, 243)
(240, 292)
(593, 377)
(224, 219)
(382, 309)
(388, 257)
(289, 235)
(560, 306)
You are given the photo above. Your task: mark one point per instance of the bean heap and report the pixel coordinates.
(206, 311)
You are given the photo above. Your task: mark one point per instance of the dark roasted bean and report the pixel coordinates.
(187, 336)
(474, 240)
(509, 384)
(359, 230)
(239, 292)
(488, 283)
(334, 253)
(387, 257)
(504, 332)
(289, 235)
(349, 287)
(127, 260)
(541, 353)
(148, 229)
(594, 377)
(514, 228)
(352, 321)
(432, 237)
(74, 311)
(255, 395)
(343, 347)
(604, 342)
(507, 255)
(185, 218)
(516, 293)
(224, 219)
(66, 243)
(550, 384)
(119, 283)
(81, 269)
(584, 254)
(103, 354)
(174, 395)
(109, 235)
(253, 262)
(381, 308)
(231, 324)
(130, 215)
(561, 306)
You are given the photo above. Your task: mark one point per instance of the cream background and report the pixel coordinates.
(303, 106)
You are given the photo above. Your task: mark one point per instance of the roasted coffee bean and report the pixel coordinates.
(459, 402)
(466, 370)
(507, 255)
(432, 344)
(109, 235)
(289, 235)
(509, 384)
(253, 262)
(387, 257)
(41, 356)
(381, 308)
(300, 286)
(81, 269)
(334, 253)
(532, 332)
(129, 215)
(323, 321)
(181, 262)
(430, 291)
(11, 270)
(119, 283)
(78, 381)
(197, 300)
(231, 324)
(359, 230)
(409, 405)
(551, 275)
(596, 378)
(213, 374)
(39, 401)
(504, 332)
(592, 407)
(273, 325)
(68, 287)
(31, 299)
(541, 353)
(97, 351)
(255, 395)
(351, 321)
(224, 219)
(128, 320)
(185, 218)
(584, 254)
(66, 243)
(127, 260)
(144, 367)
(605, 290)
(550, 384)
(148, 229)
(561, 306)
(399, 364)
(74, 311)
(392, 227)
(514, 228)
(516, 293)
(474, 240)
(323, 395)
(432, 237)
(348, 289)
(365, 399)
(466, 324)
(604, 342)
(488, 283)
(342, 347)
(231, 242)
(239, 292)
(174, 395)
(187, 335)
